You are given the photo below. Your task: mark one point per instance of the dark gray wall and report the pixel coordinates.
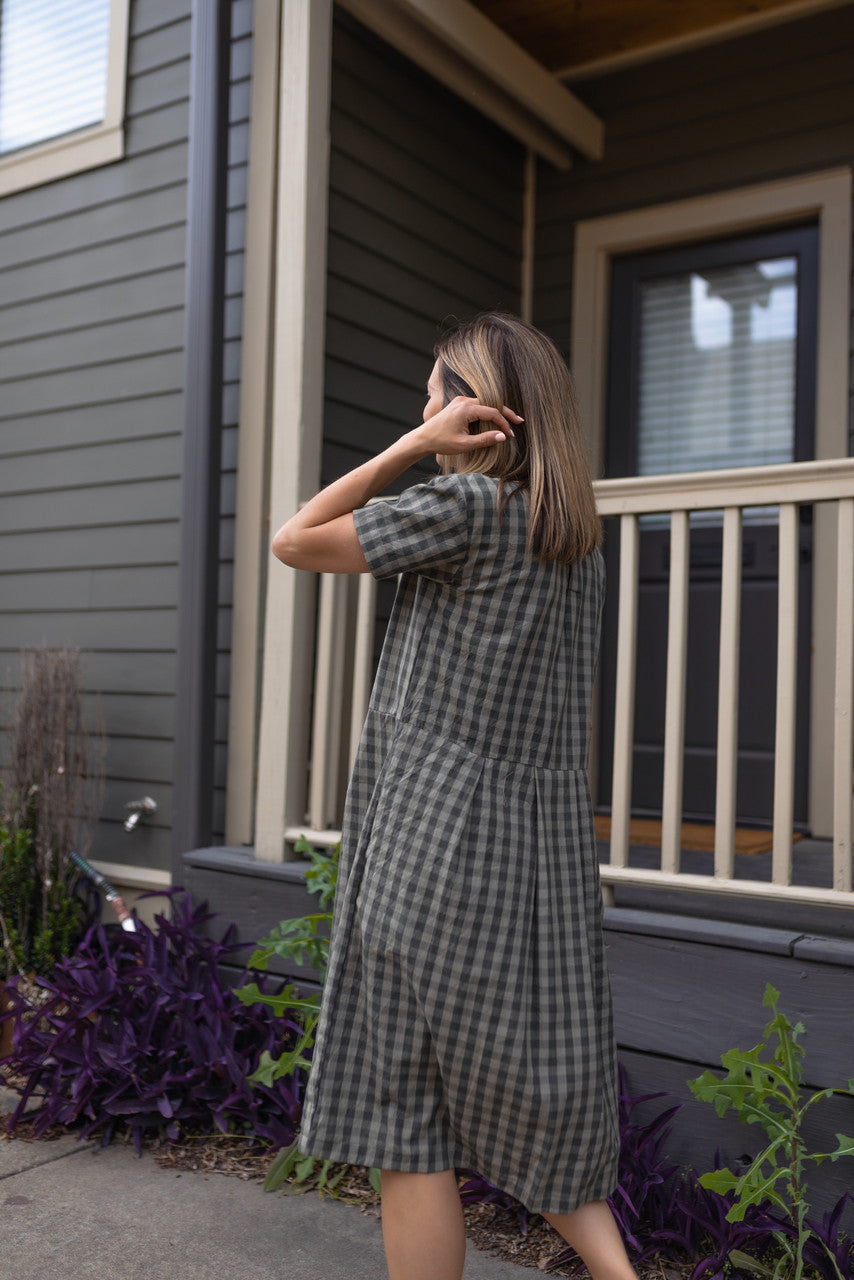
(91, 319)
(235, 238)
(425, 223)
(763, 107)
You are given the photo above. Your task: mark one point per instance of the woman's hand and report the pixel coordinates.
(322, 535)
(447, 432)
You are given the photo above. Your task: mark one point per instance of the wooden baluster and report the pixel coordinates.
(787, 694)
(843, 697)
(674, 707)
(727, 748)
(621, 794)
(363, 661)
(328, 695)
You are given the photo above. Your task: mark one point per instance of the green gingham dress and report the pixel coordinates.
(466, 1018)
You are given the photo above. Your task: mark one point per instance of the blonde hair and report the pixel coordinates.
(501, 360)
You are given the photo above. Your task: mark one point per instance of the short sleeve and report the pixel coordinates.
(425, 531)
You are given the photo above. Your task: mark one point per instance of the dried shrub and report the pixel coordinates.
(54, 791)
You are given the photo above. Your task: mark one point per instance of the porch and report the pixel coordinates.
(693, 936)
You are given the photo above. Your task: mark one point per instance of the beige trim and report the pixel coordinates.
(696, 39)
(85, 148)
(323, 839)
(251, 522)
(822, 480)
(298, 351)
(827, 196)
(761, 890)
(459, 46)
(126, 876)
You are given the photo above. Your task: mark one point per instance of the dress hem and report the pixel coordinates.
(455, 1159)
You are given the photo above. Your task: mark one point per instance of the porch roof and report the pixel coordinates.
(580, 39)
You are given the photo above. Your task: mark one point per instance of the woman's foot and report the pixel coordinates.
(593, 1233)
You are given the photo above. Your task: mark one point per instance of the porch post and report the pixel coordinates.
(297, 413)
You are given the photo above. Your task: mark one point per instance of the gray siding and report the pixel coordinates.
(91, 370)
(763, 107)
(91, 319)
(425, 223)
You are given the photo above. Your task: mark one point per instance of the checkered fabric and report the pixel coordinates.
(467, 1015)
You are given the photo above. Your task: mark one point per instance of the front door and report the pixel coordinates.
(711, 365)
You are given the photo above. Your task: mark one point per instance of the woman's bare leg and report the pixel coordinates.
(595, 1237)
(423, 1229)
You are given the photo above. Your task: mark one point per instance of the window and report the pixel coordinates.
(713, 354)
(718, 391)
(62, 72)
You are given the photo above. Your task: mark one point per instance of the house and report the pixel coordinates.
(220, 282)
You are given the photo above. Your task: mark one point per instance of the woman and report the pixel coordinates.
(467, 1015)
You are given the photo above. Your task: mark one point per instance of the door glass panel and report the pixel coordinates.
(717, 368)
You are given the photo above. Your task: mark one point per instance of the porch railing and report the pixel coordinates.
(344, 662)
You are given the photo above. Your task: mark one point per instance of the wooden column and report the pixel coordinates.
(298, 346)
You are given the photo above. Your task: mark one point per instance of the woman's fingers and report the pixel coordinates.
(450, 429)
(486, 414)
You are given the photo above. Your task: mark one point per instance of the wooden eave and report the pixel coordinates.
(458, 45)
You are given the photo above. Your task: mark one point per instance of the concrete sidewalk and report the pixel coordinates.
(75, 1211)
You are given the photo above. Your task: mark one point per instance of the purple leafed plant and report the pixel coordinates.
(827, 1251)
(140, 1031)
(710, 1237)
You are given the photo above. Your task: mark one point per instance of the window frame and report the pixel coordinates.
(81, 149)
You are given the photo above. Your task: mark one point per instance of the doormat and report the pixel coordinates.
(695, 835)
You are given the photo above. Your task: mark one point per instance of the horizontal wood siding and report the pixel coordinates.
(235, 237)
(766, 106)
(425, 224)
(91, 351)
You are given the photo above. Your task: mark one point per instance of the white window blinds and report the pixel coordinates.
(717, 368)
(53, 68)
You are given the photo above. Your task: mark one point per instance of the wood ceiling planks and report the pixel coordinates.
(566, 34)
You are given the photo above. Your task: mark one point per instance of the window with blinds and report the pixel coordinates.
(717, 354)
(53, 68)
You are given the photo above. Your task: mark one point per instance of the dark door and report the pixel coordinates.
(711, 364)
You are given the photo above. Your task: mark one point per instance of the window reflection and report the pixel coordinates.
(717, 368)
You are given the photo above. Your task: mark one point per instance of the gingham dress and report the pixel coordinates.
(466, 1017)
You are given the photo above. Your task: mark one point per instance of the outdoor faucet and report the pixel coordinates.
(139, 809)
